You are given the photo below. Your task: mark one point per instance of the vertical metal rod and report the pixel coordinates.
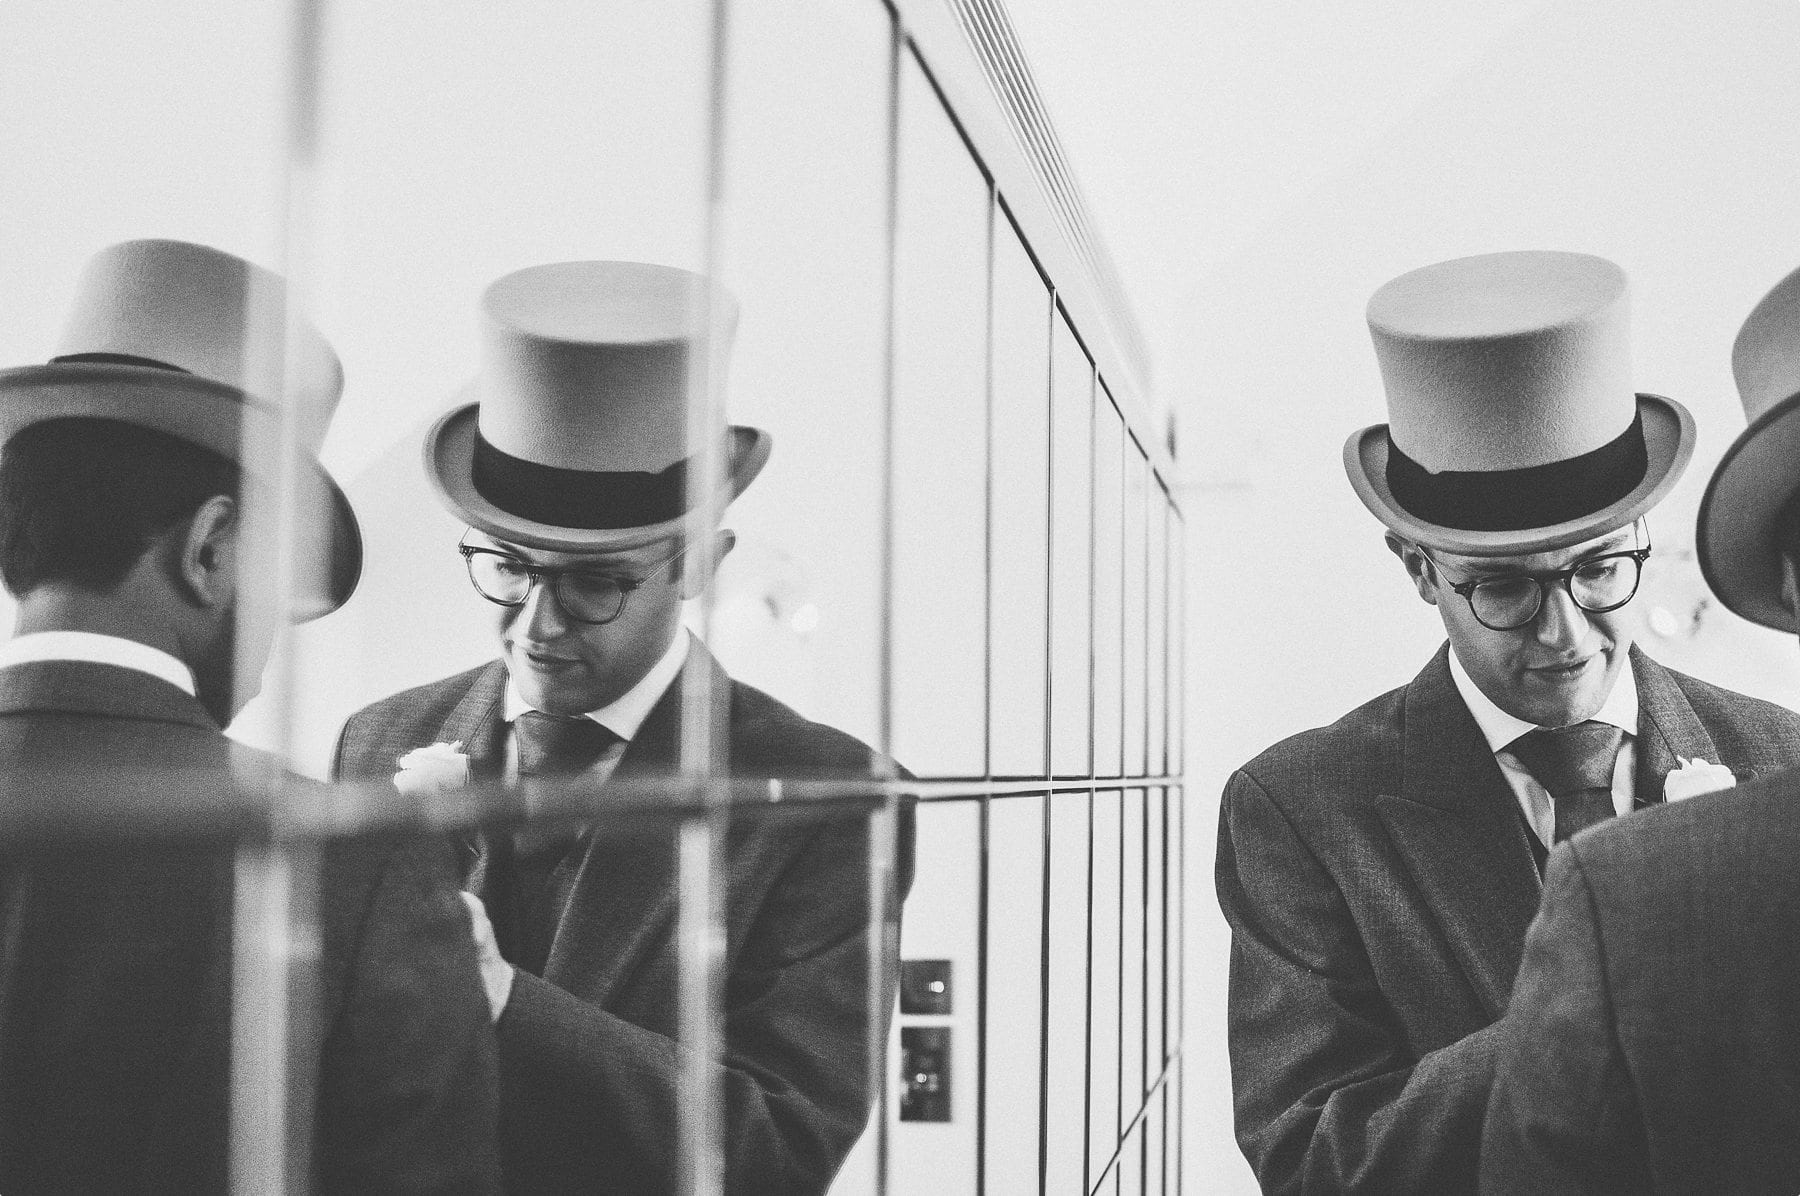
(987, 721)
(273, 931)
(1050, 699)
(1093, 705)
(698, 901)
(884, 714)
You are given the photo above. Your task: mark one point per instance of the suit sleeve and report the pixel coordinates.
(409, 1085)
(793, 1071)
(1328, 1094)
(1563, 1114)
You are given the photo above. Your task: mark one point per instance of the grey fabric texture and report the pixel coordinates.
(1378, 881)
(115, 972)
(1653, 1041)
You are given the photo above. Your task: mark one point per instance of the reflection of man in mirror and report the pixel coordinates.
(1653, 1043)
(123, 537)
(571, 472)
(1379, 874)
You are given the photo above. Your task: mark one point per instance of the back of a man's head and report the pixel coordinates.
(82, 499)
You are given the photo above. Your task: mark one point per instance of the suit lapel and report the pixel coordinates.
(623, 900)
(476, 722)
(1456, 825)
(1667, 728)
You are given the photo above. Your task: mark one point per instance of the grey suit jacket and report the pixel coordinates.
(115, 969)
(589, 1063)
(1653, 1040)
(1378, 880)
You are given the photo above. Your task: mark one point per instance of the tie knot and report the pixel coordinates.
(1567, 760)
(551, 745)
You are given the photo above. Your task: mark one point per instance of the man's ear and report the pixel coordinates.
(1418, 566)
(701, 562)
(206, 552)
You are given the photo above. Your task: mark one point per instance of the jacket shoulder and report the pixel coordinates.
(370, 736)
(1362, 744)
(1727, 710)
(769, 737)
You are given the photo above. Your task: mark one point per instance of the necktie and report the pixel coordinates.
(1576, 765)
(548, 745)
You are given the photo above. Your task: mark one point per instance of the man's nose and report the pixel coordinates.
(542, 616)
(1561, 623)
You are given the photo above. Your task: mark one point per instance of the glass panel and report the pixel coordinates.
(1131, 935)
(430, 191)
(1014, 991)
(1135, 575)
(1071, 564)
(797, 605)
(1020, 463)
(1156, 948)
(940, 444)
(1131, 1166)
(942, 923)
(1157, 601)
(1108, 585)
(1104, 984)
(1066, 1063)
(1153, 1146)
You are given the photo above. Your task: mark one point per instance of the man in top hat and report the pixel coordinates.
(569, 470)
(130, 465)
(1653, 1039)
(1378, 874)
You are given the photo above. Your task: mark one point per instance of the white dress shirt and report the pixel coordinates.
(90, 647)
(623, 716)
(1500, 729)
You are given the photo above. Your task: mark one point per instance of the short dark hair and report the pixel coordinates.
(81, 499)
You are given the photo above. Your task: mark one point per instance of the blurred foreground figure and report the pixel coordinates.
(571, 470)
(129, 465)
(1379, 874)
(1653, 1040)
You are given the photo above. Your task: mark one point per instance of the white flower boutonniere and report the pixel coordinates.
(1695, 777)
(429, 770)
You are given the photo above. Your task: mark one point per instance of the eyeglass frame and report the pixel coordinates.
(536, 575)
(1544, 578)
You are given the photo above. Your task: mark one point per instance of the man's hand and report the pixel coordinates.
(496, 973)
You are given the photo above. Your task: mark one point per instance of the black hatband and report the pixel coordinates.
(1511, 500)
(589, 499)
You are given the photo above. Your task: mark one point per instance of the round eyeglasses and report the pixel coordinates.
(1509, 601)
(584, 593)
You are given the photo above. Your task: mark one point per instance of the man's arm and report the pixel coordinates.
(409, 1078)
(1329, 1097)
(794, 1069)
(1563, 1114)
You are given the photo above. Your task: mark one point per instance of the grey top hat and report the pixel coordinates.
(1513, 427)
(198, 343)
(1741, 512)
(577, 438)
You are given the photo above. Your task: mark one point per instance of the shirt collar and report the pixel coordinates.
(1500, 728)
(89, 647)
(625, 714)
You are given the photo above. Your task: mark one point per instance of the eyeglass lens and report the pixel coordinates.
(1598, 585)
(585, 595)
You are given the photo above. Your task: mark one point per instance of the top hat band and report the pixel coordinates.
(593, 500)
(1510, 500)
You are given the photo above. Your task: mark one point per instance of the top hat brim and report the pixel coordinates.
(200, 411)
(1736, 537)
(1668, 445)
(449, 463)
